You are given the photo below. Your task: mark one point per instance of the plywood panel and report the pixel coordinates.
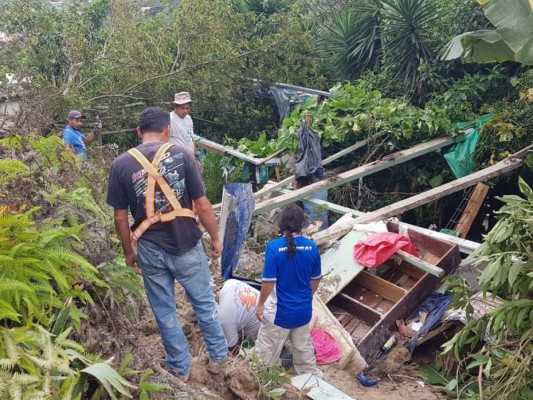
(339, 267)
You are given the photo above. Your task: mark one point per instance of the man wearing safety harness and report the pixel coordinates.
(161, 186)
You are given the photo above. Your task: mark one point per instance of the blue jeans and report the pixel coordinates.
(160, 269)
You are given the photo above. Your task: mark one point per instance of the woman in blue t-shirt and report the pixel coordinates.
(291, 275)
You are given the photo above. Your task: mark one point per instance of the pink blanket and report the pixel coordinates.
(327, 350)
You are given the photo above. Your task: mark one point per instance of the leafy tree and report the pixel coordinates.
(110, 59)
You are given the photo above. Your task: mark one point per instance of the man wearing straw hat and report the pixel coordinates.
(181, 125)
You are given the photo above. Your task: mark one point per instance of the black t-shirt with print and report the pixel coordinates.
(127, 190)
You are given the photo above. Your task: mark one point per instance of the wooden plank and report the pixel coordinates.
(328, 205)
(380, 286)
(465, 246)
(408, 269)
(356, 173)
(352, 325)
(400, 207)
(220, 149)
(270, 157)
(522, 153)
(435, 332)
(317, 388)
(356, 308)
(350, 149)
(421, 264)
(325, 162)
(345, 319)
(472, 209)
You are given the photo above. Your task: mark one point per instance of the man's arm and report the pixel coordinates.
(208, 220)
(89, 138)
(123, 230)
(314, 284)
(266, 289)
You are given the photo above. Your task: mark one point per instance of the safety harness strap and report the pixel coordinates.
(153, 177)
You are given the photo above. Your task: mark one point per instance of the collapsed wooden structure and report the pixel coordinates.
(368, 303)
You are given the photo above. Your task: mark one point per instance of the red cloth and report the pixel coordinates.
(327, 350)
(379, 247)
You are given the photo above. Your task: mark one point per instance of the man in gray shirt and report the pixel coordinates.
(181, 125)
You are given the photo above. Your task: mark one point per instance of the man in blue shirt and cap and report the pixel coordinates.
(74, 137)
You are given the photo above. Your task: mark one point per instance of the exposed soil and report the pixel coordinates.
(110, 333)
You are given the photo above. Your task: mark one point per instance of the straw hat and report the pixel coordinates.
(181, 98)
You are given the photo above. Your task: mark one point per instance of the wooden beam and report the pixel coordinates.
(465, 246)
(326, 161)
(270, 157)
(522, 153)
(420, 264)
(337, 230)
(350, 149)
(220, 149)
(435, 332)
(472, 209)
(380, 286)
(360, 172)
(328, 205)
(286, 181)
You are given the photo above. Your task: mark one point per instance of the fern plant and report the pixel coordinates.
(145, 388)
(11, 169)
(41, 151)
(38, 273)
(35, 364)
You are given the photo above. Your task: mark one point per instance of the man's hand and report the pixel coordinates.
(131, 261)
(216, 248)
(120, 216)
(259, 312)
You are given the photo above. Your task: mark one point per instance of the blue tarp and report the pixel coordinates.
(237, 225)
(436, 304)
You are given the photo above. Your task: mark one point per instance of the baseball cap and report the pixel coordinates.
(76, 114)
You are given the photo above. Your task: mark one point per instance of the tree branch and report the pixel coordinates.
(124, 96)
(176, 72)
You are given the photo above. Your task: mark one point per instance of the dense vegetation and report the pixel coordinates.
(399, 72)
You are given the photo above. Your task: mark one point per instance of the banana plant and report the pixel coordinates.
(512, 40)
